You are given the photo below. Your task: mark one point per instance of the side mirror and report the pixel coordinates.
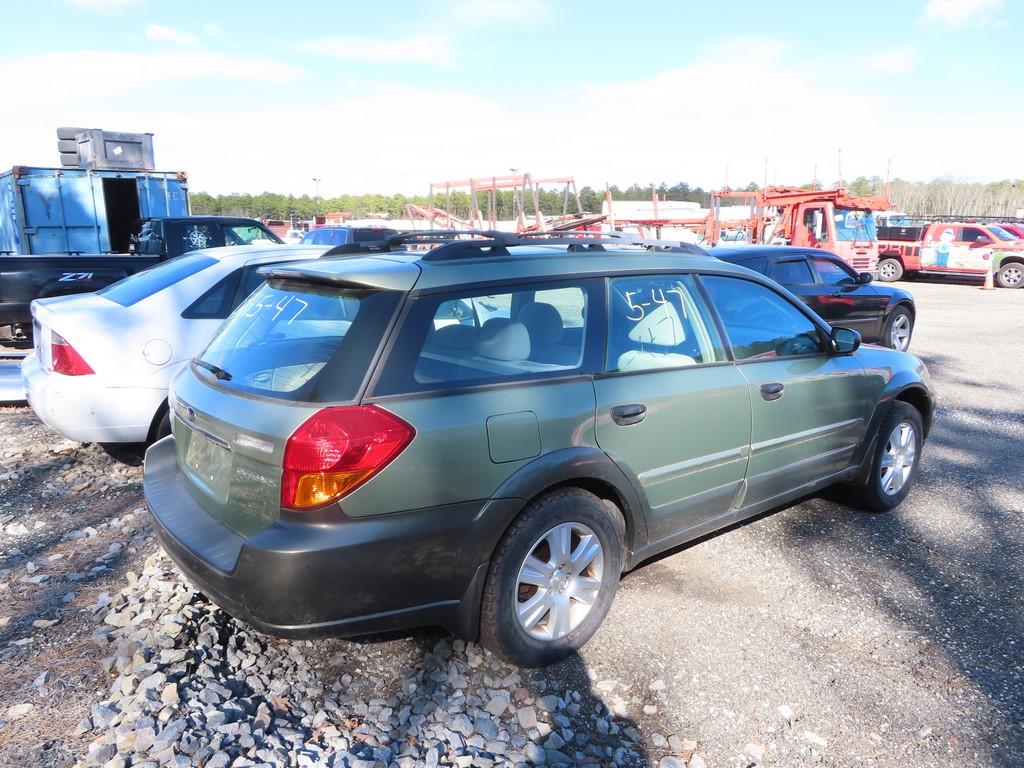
(845, 341)
(864, 278)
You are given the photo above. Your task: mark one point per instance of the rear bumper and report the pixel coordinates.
(353, 577)
(84, 409)
(15, 312)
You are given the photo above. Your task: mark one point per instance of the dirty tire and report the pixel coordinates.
(163, 428)
(870, 495)
(1010, 275)
(500, 627)
(890, 270)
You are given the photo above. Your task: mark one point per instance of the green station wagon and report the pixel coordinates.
(486, 435)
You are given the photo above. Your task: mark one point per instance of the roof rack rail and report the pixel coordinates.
(393, 241)
(473, 243)
(673, 246)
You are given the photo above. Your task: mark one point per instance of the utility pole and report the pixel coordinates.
(316, 192)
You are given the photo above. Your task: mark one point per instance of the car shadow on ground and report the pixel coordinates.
(574, 726)
(950, 568)
(964, 564)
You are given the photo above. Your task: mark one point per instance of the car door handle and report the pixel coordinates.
(624, 415)
(772, 391)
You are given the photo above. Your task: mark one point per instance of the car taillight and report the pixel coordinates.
(338, 449)
(65, 359)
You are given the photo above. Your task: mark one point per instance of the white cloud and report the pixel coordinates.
(499, 11)
(158, 33)
(435, 50)
(897, 61)
(120, 78)
(954, 14)
(213, 30)
(105, 5)
(736, 103)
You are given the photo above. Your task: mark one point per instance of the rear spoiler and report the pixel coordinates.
(382, 274)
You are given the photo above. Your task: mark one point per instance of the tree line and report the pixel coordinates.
(271, 205)
(941, 196)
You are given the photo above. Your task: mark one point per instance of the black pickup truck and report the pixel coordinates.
(24, 278)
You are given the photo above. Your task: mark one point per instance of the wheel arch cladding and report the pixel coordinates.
(921, 401)
(583, 467)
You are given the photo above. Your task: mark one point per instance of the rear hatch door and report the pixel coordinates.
(294, 347)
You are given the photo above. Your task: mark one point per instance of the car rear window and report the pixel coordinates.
(141, 285)
(372, 235)
(300, 341)
(325, 236)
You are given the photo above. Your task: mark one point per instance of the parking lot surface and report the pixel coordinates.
(812, 635)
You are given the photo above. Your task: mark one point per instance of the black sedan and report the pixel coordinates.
(883, 314)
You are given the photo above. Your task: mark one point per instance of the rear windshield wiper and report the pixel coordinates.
(216, 370)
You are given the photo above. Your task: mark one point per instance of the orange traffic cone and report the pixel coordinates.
(988, 284)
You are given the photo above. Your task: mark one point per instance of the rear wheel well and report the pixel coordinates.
(157, 418)
(919, 399)
(608, 494)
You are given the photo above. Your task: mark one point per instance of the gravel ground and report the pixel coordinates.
(815, 635)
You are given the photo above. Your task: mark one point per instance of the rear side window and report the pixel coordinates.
(216, 302)
(659, 321)
(759, 322)
(792, 272)
(141, 285)
(758, 264)
(469, 339)
(301, 342)
(192, 235)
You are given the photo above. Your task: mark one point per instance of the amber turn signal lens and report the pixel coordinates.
(319, 488)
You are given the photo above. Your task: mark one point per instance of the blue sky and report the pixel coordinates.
(387, 97)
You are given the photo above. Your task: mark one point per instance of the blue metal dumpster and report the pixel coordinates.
(52, 210)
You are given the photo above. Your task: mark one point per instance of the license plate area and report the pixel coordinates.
(209, 463)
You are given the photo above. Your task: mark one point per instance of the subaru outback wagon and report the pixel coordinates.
(486, 435)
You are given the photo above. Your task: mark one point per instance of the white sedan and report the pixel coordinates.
(103, 360)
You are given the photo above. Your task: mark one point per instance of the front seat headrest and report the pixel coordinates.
(660, 326)
(543, 322)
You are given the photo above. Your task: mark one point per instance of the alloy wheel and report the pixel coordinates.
(559, 581)
(899, 334)
(898, 458)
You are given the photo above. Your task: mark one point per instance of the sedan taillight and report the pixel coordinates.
(64, 358)
(338, 449)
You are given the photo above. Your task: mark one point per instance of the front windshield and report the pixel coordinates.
(1001, 233)
(855, 225)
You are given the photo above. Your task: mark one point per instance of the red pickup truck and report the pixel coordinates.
(968, 249)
